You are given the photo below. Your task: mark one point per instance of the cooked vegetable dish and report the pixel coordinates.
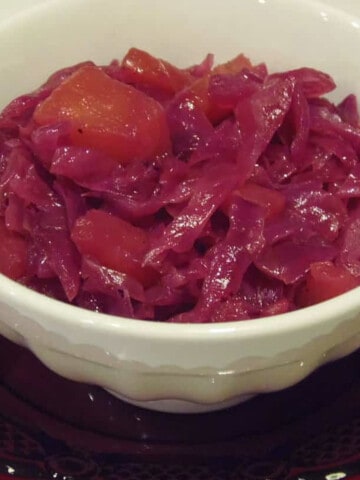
(204, 194)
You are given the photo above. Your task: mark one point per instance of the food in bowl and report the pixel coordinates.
(179, 367)
(204, 194)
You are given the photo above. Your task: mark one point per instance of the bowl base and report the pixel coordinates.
(181, 406)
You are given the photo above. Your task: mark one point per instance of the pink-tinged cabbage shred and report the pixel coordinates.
(219, 256)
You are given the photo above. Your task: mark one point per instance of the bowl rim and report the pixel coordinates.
(29, 302)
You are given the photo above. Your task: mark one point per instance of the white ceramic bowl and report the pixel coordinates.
(182, 368)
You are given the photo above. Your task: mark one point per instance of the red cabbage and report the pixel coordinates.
(351, 185)
(289, 261)
(208, 248)
(348, 110)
